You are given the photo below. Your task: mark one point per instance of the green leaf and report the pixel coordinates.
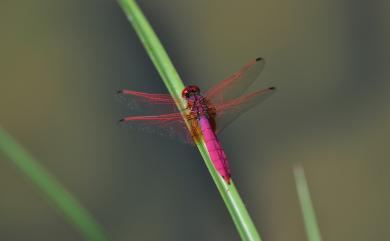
(309, 217)
(56, 193)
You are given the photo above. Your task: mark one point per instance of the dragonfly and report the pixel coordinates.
(206, 114)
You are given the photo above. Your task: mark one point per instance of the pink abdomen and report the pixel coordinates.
(214, 147)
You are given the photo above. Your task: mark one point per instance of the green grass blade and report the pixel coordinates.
(51, 187)
(309, 217)
(174, 85)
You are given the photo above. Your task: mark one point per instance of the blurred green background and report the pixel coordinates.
(62, 62)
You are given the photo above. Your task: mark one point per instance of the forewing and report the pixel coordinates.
(171, 125)
(236, 84)
(229, 111)
(147, 102)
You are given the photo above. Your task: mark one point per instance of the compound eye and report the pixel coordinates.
(194, 89)
(187, 94)
(184, 93)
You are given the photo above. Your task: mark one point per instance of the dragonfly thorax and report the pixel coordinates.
(199, 106)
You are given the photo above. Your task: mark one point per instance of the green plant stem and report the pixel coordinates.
(309, 217)
(174, 85)
(51, 187)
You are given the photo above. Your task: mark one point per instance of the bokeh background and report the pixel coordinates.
(62, 62)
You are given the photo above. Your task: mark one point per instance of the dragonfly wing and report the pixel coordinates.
(229, 111)
(147, 102)
(235, 85)
(171, 125)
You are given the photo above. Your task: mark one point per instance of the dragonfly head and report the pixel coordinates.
(189, 91)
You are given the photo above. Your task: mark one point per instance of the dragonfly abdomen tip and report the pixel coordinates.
(259, 58)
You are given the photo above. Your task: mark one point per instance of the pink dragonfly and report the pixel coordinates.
(206, 114)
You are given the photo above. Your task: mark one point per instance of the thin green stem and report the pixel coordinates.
(51, 187)
(309, 217)
(174, 85)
